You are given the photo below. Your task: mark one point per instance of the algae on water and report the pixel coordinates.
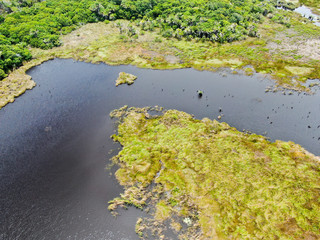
(125, 78)
(207, 180)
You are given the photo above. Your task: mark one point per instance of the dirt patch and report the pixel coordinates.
(151, 54)
(172, 59)
(295, 46)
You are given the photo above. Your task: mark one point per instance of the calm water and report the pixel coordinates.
(55, 140)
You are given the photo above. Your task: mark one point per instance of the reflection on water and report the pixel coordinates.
(55, 140)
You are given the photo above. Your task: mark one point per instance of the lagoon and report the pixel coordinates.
(55, 139)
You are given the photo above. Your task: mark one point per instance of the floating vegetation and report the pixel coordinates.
(207, 180)
(125, 78)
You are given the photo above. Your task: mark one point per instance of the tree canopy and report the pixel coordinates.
(39, 23)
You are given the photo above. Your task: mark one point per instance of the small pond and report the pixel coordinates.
(55, 139)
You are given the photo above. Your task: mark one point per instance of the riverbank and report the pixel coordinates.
(204, 179)
(288, 55)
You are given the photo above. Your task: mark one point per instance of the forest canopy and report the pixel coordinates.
(39, 24)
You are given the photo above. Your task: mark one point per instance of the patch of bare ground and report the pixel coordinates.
(305, 48)
(171, 59)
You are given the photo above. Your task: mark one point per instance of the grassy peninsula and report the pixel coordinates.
(251, 35)
(206, 180)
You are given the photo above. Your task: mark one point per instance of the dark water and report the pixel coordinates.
(54, 140)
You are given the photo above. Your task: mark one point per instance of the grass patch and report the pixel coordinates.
(100, 42)
(125, 78)
(218, 182)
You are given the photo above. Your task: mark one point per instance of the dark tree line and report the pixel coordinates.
(39, 23)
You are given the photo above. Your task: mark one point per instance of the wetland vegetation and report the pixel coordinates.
(158, 34)
(207, 180)
(200, 178)
(125, 78)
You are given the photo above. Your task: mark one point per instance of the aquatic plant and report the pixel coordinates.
(125, 78)
(215, 181)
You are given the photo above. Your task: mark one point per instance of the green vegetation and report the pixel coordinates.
(11, 56)
(216, 182)
(288, 4)
(125, 78)
(311, 3)
(160, 34)
(281, 52)
(37, 24)
(40, 23)
(9, 6)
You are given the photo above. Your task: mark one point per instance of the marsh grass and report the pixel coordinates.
(102, 42)
(229, 184)
(125, 78)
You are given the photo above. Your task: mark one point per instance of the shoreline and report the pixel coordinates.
(172, 180)
(101, 42)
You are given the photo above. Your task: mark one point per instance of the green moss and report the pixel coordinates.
(163, 211)
(125, 78)
(228, 184)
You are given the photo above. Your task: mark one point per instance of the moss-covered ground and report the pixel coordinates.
(206, 180)
(125, 78)
(289, 55)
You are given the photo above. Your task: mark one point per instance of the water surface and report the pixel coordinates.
(307, 13)
(55, 139)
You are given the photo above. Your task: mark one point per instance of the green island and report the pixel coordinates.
(249, 36)
(125, 78)
(206, 180)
